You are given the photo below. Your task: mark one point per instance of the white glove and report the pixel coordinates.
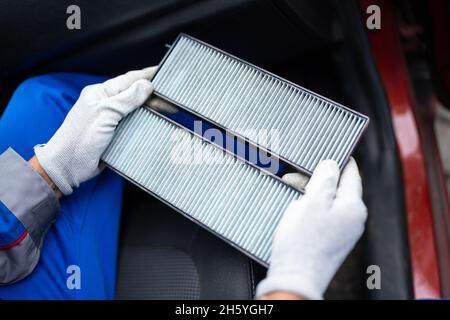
(73, 154)
(317, 232)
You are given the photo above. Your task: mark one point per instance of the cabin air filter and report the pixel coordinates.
(237, 96)
(233, 198)
(221, 192)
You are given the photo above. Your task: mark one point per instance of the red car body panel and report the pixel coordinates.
(391, 65)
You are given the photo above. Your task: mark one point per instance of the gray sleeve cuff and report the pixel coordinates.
(33, 202)
(17, 262)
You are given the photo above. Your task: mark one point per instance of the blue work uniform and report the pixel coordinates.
(52, 249)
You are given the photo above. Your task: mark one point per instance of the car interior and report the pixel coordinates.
(320, 45)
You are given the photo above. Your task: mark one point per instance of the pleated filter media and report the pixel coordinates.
(236, 96)
(234, 199)
(228, 196)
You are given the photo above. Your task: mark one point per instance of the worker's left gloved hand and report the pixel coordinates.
(73, 154)
(316, 233)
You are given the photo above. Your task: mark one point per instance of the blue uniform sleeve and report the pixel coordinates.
(28, 207)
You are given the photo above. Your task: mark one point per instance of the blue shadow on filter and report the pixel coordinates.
(232, 144)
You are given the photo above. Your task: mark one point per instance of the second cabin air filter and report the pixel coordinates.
(233, 199)
(236, 200)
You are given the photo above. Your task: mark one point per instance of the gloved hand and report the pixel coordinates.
(316, 233)
(73, 154)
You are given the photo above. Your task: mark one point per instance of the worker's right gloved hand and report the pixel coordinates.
(316, 233)
(72, 155)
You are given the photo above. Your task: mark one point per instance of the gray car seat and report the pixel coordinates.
(163, 255)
